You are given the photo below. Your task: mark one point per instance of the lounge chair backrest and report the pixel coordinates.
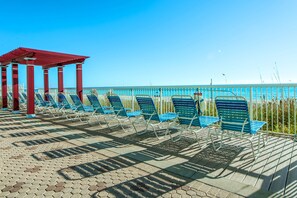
(52, 100)
(24, 95)
(63, 101)
(77, 102)
(40, 99)
(233, 113)
(95, 103)
(117, 105)
(148, 108)
(22, 98)
(185, 108)
(10, 96)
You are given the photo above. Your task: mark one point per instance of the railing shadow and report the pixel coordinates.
(291, 185)
(50, 140)
(289, 190)
(9, 123)
(33, 133)
(20, 126)
(11, 128)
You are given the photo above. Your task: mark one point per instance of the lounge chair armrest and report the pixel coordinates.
(149, 114)
(119, 111)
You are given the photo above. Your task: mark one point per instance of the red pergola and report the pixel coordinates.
(31, 58)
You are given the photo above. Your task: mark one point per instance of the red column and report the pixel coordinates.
(45, 79)
(15, 88)
(4, 87)
(30, 88)
(79, 87)
(60, 79)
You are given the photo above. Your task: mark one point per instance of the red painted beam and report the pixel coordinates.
(79, 87)
(30, 88)
(60, 79)
(46, 86)
(4, 87)
(15, 88)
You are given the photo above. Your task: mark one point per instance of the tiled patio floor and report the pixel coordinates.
(50, 157)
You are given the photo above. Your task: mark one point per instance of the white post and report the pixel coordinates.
(161, 104)
(133, 99)
(251, 104)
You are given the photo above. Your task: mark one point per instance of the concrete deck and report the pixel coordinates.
(50, 157)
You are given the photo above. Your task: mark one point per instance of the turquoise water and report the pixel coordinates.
(258, 93)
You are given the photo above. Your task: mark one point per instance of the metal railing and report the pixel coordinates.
(273, 103)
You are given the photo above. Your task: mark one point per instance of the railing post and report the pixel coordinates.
(161, 104)
(133, 99)
(283, 109)
(251, 104)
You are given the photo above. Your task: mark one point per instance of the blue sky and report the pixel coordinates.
(158, 42)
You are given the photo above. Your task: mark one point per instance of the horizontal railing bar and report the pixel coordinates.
(193, 86)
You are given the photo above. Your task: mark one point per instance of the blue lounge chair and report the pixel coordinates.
(234, 117)
(24, 95)
(42, 105)
(99, 110)
(188, 117)
(81, 109)
(122, 114)
(55, 108)
(150, 113)
(65, 107)
(10, 100)
(23, 101)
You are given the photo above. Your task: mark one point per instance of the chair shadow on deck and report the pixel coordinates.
(157, 183)
(209, 164)
(66, 152)
(98, 167)
(152, 185)
(148, 135)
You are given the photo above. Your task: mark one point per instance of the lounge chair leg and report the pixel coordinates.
(221, 142)
(209, 137)
(98, 121)
(106, 123)
(155, 131)
(253, 150)
(122, 126)
(168, 132)
(265, 140)
(198, 141)
(134, 127)
(212, 143)
(180, 135)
